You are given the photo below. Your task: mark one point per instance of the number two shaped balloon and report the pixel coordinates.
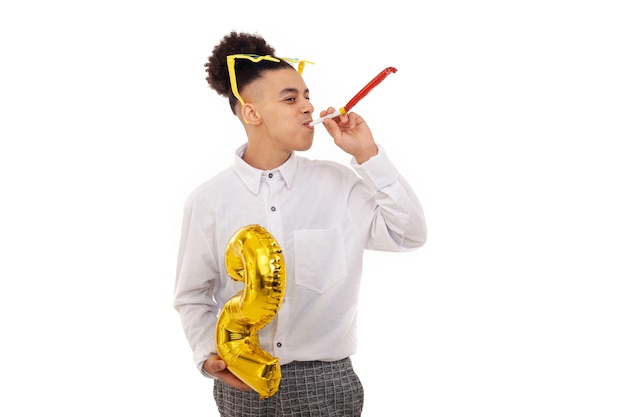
(253, 257)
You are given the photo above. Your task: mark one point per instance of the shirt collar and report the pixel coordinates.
(252, 177)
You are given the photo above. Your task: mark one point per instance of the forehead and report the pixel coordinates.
(278, 80)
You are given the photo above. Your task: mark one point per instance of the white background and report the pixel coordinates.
(507, 117)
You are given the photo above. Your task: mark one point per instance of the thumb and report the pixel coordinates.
(332, 128)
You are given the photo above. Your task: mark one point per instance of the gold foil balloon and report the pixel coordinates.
(254, 257)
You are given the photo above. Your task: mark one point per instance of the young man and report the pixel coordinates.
(324, 215)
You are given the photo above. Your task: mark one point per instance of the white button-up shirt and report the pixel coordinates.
(323, 216)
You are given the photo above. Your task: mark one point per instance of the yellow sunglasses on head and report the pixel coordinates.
(230, 61)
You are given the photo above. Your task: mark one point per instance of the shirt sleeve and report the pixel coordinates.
(398, 222)
(196, 277)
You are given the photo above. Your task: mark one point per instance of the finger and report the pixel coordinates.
(329, 110)
(217, 366)
(352, 119)
(331, 127)
(213, 364)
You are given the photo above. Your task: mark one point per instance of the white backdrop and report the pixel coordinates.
(508, 118)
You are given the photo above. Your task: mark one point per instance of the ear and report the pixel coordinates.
(250, 114)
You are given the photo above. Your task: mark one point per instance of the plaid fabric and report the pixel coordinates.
(307, 389)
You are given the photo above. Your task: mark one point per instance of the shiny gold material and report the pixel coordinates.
(254, 257)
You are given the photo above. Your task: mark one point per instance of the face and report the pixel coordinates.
(281, 101)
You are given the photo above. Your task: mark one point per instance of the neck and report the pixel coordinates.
(264, 159)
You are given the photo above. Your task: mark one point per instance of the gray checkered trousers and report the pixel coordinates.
(307, 389)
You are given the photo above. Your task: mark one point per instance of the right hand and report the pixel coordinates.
(215, 366)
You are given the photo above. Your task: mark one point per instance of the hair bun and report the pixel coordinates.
(233, 43)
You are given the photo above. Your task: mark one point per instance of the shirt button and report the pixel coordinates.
(279, 344)
(270, 175)
(273, 208)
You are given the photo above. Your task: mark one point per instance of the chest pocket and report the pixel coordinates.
(320, 258)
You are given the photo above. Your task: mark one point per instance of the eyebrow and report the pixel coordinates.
(291, 90)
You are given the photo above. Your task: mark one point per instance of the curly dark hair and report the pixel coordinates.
(246, 70)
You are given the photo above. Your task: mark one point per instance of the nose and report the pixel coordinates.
(307, 108)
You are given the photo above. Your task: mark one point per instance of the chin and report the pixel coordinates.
(306, 146)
